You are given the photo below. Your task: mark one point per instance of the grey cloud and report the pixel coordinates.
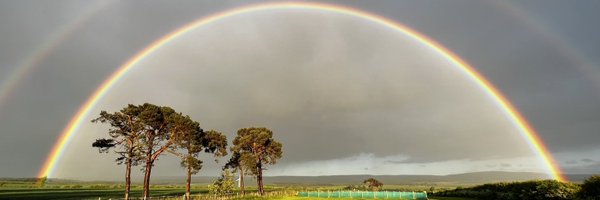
(583, 169)
(571, 162)
(505, 165)
(395, 162)
(587, 160)
(543, 84)
(341, 97)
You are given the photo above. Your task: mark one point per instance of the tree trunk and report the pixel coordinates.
(147, 180)
(242, 180)
(259, 178)
(188, 183)
(147, 172)
(128, 178)
(150, 158)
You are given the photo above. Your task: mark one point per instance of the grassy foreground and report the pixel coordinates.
(304, 198)
(56, 193)
(71, 194)
(83, 190)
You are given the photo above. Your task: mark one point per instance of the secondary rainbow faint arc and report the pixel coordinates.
(8, 85)
(526, 130)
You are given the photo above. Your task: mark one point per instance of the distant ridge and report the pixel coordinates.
(453, 179)
(466, 178)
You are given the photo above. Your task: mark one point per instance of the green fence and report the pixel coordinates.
(365, 194)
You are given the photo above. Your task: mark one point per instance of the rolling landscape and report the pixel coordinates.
(172, 187)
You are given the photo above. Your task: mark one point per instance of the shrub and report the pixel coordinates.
(223, 185)
(590, 190)
(529, 190)
(550, 189)
(76, 186)
(355, 187)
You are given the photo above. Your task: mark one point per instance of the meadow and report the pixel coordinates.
(520, 190)
(29, 189)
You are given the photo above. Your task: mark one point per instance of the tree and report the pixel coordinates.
(373, 184)
(432, 189)
(124, 133)
(160, 132)
(193, 140)
(261, 146)
(223, 185)
(243, 163)
(590, 189)
(42, 181)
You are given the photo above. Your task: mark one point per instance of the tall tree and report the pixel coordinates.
(193, 140)
(124, 133)
(259, 143)
(243, 163)
(160, 132)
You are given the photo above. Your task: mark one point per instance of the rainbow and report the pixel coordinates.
(509, 110)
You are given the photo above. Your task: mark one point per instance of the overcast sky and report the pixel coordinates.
(344, 95)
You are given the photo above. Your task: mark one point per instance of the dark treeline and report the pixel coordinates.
(139, 134)
(531, 190)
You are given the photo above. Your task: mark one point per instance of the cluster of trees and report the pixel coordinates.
(368, 184)
(531, 190)
(139, 134)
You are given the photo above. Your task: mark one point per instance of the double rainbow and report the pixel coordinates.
(526, 130)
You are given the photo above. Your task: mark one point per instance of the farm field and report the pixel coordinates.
(169, 189)
(57, 193)
(171, 193)
(29, 190)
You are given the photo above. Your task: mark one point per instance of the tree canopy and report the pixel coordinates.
(258, 144)
(373, 184)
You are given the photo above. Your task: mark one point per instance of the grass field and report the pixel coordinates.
(79, 193)
(172, 193)
(86, 190)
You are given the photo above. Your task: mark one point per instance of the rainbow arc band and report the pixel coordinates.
(532, 138)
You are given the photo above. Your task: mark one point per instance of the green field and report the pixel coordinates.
(20, 189)
(115, 194)
(78, 193)
(29, 190)
(86, 193)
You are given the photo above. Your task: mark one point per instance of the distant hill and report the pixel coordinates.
(454, 179)
(467, 178)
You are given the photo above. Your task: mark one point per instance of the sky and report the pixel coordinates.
(343, 95)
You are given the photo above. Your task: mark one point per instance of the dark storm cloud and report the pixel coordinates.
(327, 86)
(543, 83)
(561, 104)
(52, 92)
(546, 85)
